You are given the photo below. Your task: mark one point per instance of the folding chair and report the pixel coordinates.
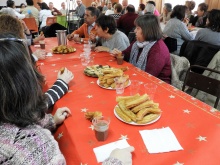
(202, 82)
(51, 20)
(31, 24)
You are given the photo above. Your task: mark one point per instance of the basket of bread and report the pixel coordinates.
(63, 49)
(137, 109)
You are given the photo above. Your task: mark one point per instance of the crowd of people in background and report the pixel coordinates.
(109, 26)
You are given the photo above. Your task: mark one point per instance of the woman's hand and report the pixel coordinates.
(61, 115)
(102, 49)
(116, 52)
(123, 155)
(66, 76)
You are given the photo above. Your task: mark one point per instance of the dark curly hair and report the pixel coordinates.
(179, 12)
(214, 20)
(107, 22)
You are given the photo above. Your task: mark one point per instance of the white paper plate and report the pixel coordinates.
(133, 123)
(129, 83)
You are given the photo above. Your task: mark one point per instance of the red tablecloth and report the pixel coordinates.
(188, 117)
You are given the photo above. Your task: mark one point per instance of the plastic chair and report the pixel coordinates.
(202, 82)
(51, 20)
(31, 24)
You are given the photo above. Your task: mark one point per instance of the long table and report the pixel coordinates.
(195, 124)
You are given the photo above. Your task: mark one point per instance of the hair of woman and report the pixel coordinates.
(179, 11)
(44, 6)
(190, 5)
(150, 26)
(203, 7)
(214, 20)
(168, 7)
(22, 100)
(118, 7)
(107, 22)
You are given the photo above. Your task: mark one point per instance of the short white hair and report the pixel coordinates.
(8, 11)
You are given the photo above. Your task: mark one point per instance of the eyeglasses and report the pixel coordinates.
(22, 41)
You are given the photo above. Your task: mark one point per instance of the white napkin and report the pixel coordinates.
(103, 152)
(37, 46)
(49, 54)
(160, 140)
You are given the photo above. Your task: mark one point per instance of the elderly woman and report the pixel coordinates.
(211, 34)
(167, 9)
(175, 28)
(109, 36)
(200, 19)
(190, 6)
(24, 124)
(149, 52)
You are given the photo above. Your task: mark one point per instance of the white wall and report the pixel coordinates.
(17, 2)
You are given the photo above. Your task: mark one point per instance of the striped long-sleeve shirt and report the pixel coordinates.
(58, 89)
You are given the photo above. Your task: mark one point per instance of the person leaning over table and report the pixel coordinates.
(176, 28)
(109, 36)
(149, 52)
(88, 28)
(60, 87)
(25, 136)
(211, 34)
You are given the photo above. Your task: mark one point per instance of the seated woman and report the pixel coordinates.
(149, 52)
(211, 34)
(43, 14)
(175, 28)
(165, 16)
(200, 19)
(23, 122)
(60, 87)
(109, 36)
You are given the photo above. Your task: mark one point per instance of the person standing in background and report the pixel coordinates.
(31, 9)
(190, 6)
(165, 16)
(124, 5)
(63, 9)
(80, 9)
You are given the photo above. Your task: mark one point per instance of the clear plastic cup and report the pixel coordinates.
(134, 87)
(150, 89)
(119, 84)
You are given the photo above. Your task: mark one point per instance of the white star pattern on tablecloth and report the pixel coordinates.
(141, 82)
(92, 82)
(83, 164)
(69, 91)
(178, 163)
(123, 137)
(84, 110)
(60, 135)
(56, 71)
(53, 64)
(186, 111)
(171, 96)
(41, 63)
(110, 60)
(92, 127)
(175, 89)
(58, 58)
(89, 96)
(134, 74)
(213, 110)
(201, 138)
(75, 65)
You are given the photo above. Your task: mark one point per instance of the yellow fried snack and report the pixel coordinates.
(122, 115)
(110, 81)
(120, 98)
(126, 111)
(146, 104)
(91, 115)
(148, 118)
(137, 101)
(146, 111)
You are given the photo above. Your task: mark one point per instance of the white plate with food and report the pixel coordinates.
(134, 123)
(110, 88)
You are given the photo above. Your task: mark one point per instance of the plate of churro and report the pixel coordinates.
(111, 84)
(137, 110)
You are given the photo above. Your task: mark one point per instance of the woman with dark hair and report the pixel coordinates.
(24, 134)
(141, 9)
(149, 52)
(167, 10)
(109, 36)
(43, 14)
(200, 19)
(175, 28)
(211, 34)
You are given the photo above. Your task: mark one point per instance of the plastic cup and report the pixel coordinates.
(150, 89)
(134, 87)
(101, 127)
(42, 44)
(93, 45)
(119, 84)
(120, 59)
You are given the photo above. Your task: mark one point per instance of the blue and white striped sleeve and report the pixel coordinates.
(58, 89)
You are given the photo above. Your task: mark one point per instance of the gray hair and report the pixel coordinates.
(150, 8)
(168, 7)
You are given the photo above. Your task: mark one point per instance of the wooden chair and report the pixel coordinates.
(31, 24)
(203, 83)
(51, 20)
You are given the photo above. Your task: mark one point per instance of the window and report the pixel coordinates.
(182, 2)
